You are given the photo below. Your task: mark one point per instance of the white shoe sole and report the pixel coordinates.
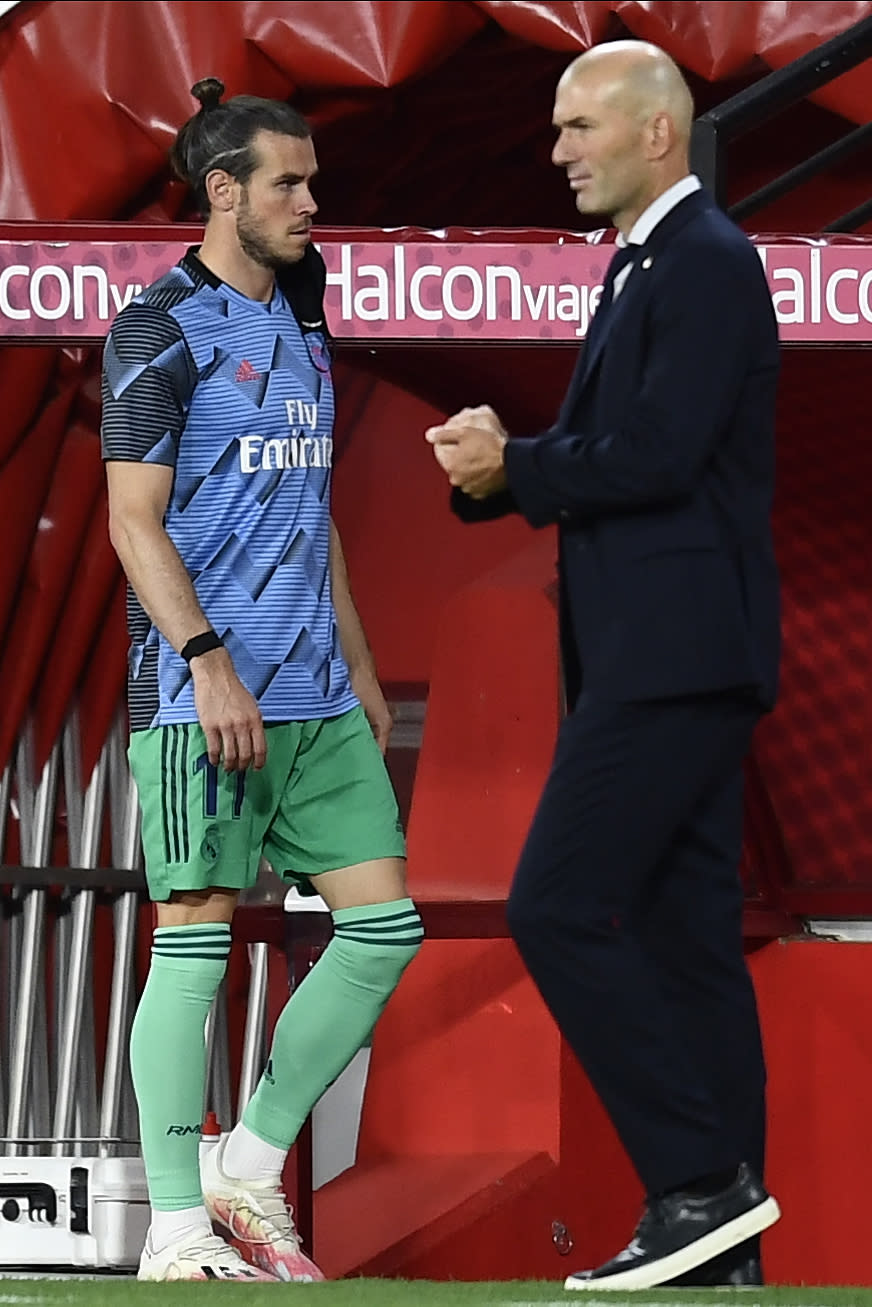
(686, 1259)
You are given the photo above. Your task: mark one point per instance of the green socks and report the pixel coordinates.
(329, 1017)
(168, 1057)
(331, 1014)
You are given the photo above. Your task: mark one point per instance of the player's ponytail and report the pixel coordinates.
(208, 92)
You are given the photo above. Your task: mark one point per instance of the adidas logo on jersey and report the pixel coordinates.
(247, 372)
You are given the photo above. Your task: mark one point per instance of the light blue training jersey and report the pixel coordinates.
(237, 397)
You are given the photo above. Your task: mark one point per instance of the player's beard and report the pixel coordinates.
(254, 242)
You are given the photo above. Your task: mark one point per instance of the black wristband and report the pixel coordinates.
(200, 644)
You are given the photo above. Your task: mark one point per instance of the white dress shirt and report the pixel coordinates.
(648, 220)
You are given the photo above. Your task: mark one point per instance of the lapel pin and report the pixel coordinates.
(646, 262)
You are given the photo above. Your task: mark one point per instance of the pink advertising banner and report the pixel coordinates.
(385, 286)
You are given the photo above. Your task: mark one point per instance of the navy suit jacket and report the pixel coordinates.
(659, 474)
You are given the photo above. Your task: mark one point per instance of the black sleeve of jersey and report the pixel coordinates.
(148, 379)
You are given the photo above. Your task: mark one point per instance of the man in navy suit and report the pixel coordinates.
(658, 473)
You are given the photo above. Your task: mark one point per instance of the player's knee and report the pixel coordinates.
(376, 951)
(207, 907)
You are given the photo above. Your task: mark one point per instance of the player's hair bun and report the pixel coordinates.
(208, 92)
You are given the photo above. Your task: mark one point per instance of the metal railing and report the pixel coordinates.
(48, 1082)
(54, 1098)
(714, 130)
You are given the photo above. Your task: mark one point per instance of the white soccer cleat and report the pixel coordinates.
(202, 1256)
(257, 1217)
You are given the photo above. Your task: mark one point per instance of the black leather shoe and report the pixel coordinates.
(681, 1232)
(728, 1271)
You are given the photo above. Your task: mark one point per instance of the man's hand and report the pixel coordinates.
(469, 447)
(365, 685)
(228, 714)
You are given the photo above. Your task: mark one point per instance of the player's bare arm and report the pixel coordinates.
(138, 498)
(355, 646)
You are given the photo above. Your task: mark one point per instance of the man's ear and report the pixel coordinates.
(220, 188)
(661, 135)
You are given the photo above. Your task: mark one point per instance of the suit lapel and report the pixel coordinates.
(604, 320)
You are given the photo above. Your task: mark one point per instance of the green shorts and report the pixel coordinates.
(323, 800)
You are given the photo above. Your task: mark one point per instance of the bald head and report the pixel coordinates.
(639, 78)
(623, 113)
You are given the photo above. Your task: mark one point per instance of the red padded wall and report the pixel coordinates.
(812, 752)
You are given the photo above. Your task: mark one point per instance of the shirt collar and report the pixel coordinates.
(658, 209)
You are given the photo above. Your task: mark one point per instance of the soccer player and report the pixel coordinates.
(257, 721)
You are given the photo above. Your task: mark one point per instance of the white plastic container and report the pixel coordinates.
(210, 1135)
(76, 1212)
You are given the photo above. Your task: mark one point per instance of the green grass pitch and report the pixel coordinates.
(112, 1292)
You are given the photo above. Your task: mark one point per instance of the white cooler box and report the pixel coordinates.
(72, 1211)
